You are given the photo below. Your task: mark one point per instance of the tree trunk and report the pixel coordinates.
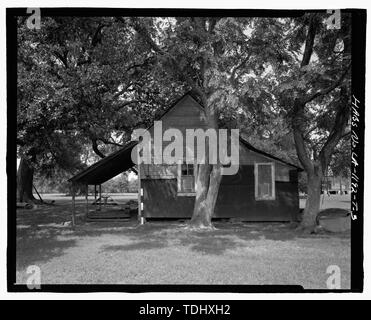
(314, 170)
(25, 182)
(312, 205)
(207, 187)
(208, 177)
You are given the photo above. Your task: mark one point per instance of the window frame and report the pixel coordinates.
(179, 183)
(256, 184)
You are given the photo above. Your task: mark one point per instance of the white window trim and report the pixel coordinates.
(272, 164)
(179, 192)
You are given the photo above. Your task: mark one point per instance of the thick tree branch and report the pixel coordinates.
(120, 92)
(146, 62)
(126, 103)
(61, 58)
(299, 137)
(106, 141)
(95, 147)
(338, 130)
(235, 78)
(177, 71)
(309, 42)
(298, 108)
(97, 37)
(346, 133)
(336, 84)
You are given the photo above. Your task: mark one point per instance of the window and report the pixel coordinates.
(264, 181)
(186, 179)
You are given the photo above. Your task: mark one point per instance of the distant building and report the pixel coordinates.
(335, 184)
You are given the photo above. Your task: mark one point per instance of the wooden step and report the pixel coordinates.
(106, 219)
(108, 215)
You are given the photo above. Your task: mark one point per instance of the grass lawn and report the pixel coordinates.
(165, 253)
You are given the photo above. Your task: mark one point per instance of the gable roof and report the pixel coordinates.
(173, 105)
(120, 161)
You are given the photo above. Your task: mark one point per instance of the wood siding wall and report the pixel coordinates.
(236, 199)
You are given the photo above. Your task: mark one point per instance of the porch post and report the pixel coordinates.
(95, 197)
(139, 196)
(73, 205)
(100, 197)
(87, 201)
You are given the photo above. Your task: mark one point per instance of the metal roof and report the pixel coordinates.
(106, 168)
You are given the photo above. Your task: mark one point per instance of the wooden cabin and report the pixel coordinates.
(265, 187)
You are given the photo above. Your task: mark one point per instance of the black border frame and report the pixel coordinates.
(358, 90)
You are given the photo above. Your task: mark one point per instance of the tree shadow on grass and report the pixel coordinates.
(141, 245)
(33, 248)
(226, 236)
(210, 244)
(157, 237)
(44, 214)
(129, 229)
(230, 236)
(38, 240)
(40, 234)
(272, 231)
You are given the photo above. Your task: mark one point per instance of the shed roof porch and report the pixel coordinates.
(100, 172)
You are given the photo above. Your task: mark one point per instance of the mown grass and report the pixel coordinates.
(167, 253)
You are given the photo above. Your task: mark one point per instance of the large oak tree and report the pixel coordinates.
(314, 91)
(81, 82)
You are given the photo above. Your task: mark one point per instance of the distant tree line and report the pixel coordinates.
(119, 184)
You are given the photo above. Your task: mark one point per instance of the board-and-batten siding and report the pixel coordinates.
(153, 171)
(187, 114)
(236, 197)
